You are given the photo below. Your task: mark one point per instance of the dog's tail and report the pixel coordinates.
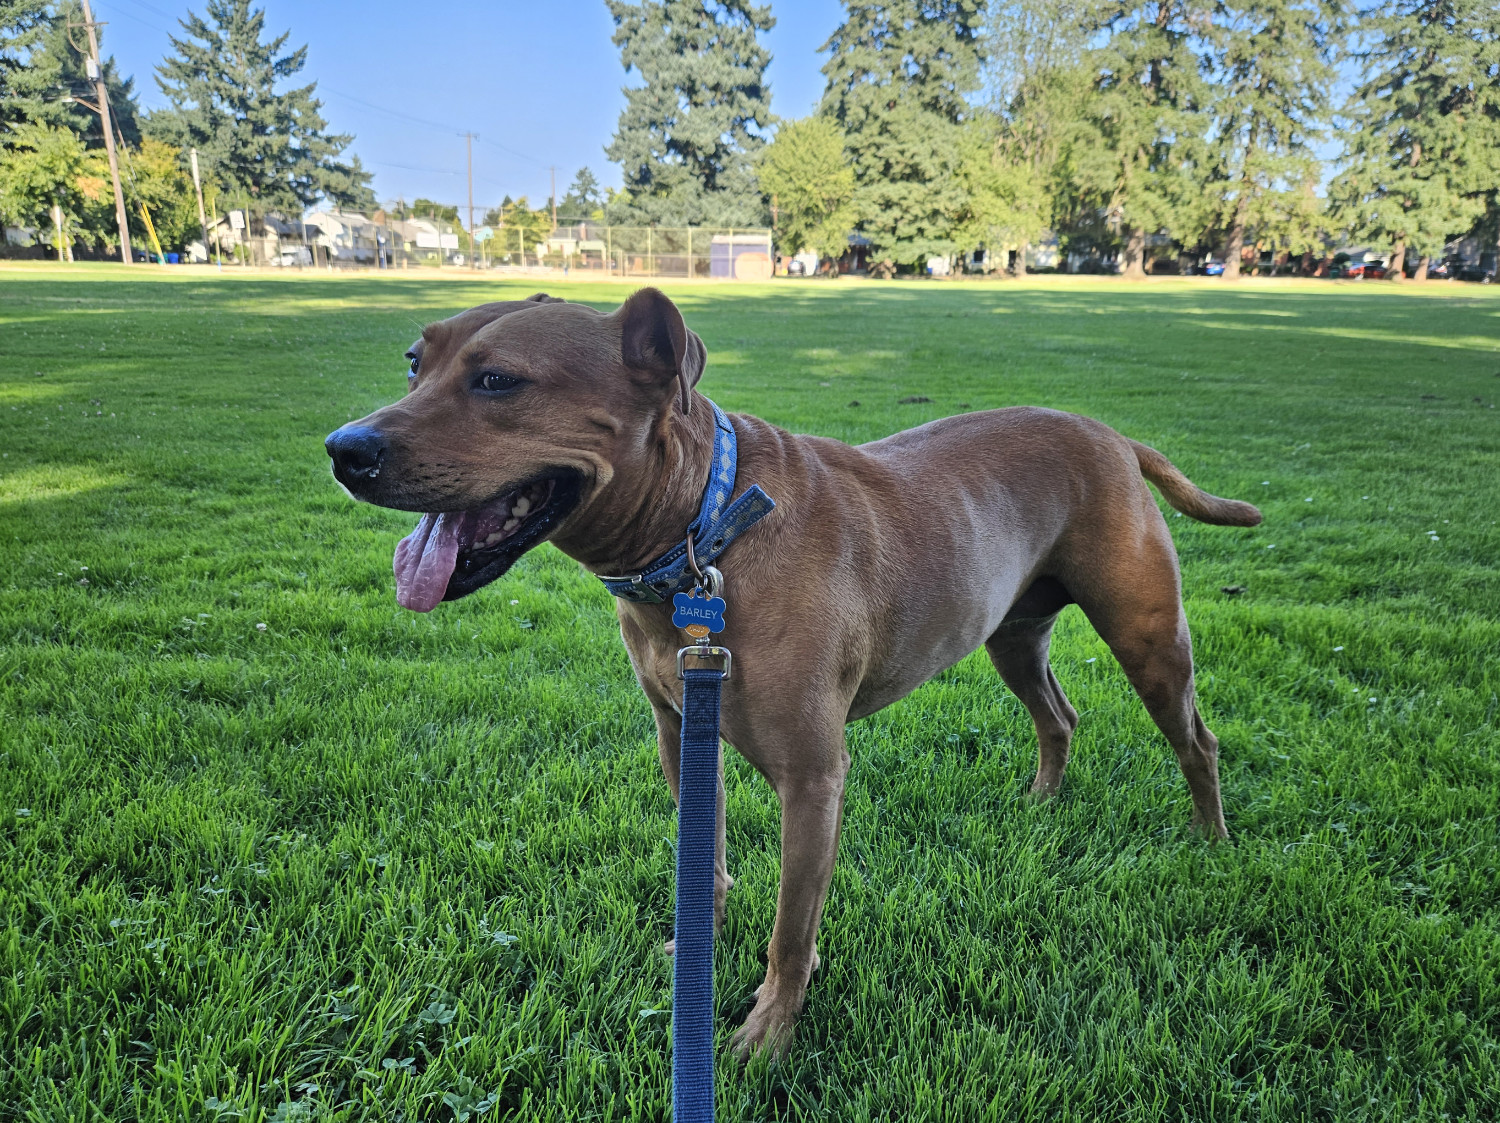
(1187, 496)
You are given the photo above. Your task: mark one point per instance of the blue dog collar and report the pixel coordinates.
(719, 523)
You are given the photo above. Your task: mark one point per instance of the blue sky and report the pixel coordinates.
(539, 83)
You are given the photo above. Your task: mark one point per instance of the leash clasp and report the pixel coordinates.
(704, 651)
(708, 579)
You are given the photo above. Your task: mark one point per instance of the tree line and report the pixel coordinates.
(1245, 129)
(260, 148)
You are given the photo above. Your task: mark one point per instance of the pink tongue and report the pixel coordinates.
(425, 559)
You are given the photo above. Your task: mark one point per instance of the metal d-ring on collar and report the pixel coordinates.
(718, 524)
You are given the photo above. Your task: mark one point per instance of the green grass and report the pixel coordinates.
(364, 864)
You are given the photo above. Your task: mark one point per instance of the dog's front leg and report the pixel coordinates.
(812, 808)
(669, 751)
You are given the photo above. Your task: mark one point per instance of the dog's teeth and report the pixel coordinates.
(493, 538)
(511, 524)
(523, 505)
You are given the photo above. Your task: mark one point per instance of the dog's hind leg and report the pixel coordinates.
(1133, 597)
(1019, 651)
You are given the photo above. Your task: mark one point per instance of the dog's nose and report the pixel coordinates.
(357, 451)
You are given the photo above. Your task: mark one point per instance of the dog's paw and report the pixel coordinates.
(1210, 831)
(1043, 788)
(768, 1030)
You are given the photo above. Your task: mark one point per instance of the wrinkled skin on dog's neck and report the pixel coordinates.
(654, 493)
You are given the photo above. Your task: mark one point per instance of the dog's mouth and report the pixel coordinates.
(452, 553)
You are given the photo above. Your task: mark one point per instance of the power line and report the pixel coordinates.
(414, 119)
(414, 168)
(382, 109)
(140, 20)
(149, 8)
(518, 155)
(441, 171)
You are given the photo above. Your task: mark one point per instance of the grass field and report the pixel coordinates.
(273, 849)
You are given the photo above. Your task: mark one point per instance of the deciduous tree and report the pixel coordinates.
(1018, 170)
(49, 179)
(156, 176)
(807, 175)
(521, 228)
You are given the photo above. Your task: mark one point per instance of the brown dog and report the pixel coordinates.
(879, 567)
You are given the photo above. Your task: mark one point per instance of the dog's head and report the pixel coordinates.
(516, 414)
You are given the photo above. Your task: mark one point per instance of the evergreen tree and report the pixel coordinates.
(806, 175)
(688, 137)
(42, 74)
(23, 23)
(267, 148)
(1424, 148)
(584, 199)
(58, 68)
(1273, 60)
(898, 78)
(1139, 159)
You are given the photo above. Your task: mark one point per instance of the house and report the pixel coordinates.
(413, 235)
(856, 258)
(348, 237)
(261, 241)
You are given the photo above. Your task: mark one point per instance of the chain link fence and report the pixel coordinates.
(343, 240)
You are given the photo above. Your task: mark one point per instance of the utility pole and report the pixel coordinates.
(774, 239)
(198, 187)
(469, 145)
(96, 72)
(554, 198)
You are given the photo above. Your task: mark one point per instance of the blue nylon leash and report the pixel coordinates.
(688, 565)
(693, 961)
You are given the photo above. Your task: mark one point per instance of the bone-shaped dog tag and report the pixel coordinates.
(698, 615)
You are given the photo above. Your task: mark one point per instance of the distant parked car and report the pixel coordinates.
(804, 264)
(1484, 272)
(1357, 270)
(296, 257)
(1212, 268)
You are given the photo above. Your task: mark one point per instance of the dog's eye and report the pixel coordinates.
(497, 383)
(414, 361)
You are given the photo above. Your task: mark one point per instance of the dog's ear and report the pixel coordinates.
(543, 298)
(653, 338)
